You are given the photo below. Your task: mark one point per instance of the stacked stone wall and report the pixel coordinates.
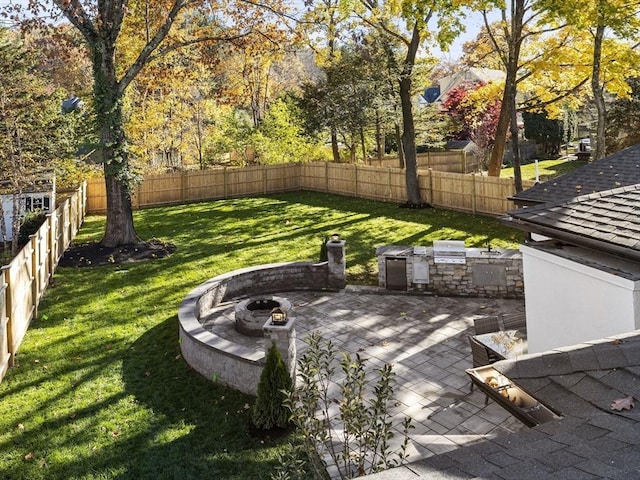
(480, 273)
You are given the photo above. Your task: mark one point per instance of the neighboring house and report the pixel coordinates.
(445, 85)
(582, 265)
(41, 195)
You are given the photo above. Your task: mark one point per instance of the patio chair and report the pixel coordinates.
(479, 353)
(486, 325)
(480, 357)
(515, 321)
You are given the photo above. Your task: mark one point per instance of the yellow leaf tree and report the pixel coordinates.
(101, 24)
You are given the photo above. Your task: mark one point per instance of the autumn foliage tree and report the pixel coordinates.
(101, 24)
(475, 109)
(33, 132)
(412, 25)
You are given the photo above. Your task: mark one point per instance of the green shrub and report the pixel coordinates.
(30, 224)
(323, 250)
(365, 416)
(274, 388)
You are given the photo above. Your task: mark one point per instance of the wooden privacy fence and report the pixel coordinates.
(468, 193)
(24, 280)
(453, 161)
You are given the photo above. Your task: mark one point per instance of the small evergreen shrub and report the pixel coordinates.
(30, 224)
(323, 250)
(274, 388)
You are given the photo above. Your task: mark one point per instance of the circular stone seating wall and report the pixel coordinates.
(221, 360)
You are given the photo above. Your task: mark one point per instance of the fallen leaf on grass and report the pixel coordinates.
(20, 426)
(623, 404)
(72, 415)
(147, 373)
(29, 456)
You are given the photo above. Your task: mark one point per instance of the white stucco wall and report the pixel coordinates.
(568, 302)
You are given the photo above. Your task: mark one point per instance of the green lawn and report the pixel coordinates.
(547, 169)
(100, 390)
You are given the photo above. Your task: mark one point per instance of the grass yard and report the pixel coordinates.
(100, 390)
(547, 169)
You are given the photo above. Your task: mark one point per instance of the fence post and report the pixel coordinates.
(224, 182)
(35, 273)
(473, 194)
(4, 272)
(326, 176)
(431, 187)
(355, 177)
(464, 161)
(389, 183)
(264, 179)
(184, 183)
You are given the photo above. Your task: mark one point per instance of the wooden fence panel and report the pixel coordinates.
(469, 193)
(388, 185)
(41, 263)
(203, 185)
(24, 280)
(5, 352)
(96, 196)
(245, 181)
(282, 178)
(455, 161)
(398, 182)
(313, 176)
(492, 193)
(341, 179)
(157, 190)
(20, 300)
(452, 190)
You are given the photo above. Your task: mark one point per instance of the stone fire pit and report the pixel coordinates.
(252, 313)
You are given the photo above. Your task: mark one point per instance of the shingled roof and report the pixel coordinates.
(591, 441)
(607, 221)
(617, 170)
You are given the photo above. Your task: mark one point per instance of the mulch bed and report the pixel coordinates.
(93, 254)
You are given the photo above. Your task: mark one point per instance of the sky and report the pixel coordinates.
(474, 23)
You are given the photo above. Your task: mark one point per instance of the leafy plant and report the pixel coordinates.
(323, 250)
(364, 416)
(275, 385)
(30, 224)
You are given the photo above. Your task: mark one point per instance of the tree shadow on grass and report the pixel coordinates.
(200, 429)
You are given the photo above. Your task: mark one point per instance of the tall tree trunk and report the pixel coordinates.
(118, 178)
(508, 110)
(515, 150)
(334, 145)
(502, 129)
(598, 94)
(379, 137)
(408, 126)
(517, 19)
(409, 143)
(398, 132)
